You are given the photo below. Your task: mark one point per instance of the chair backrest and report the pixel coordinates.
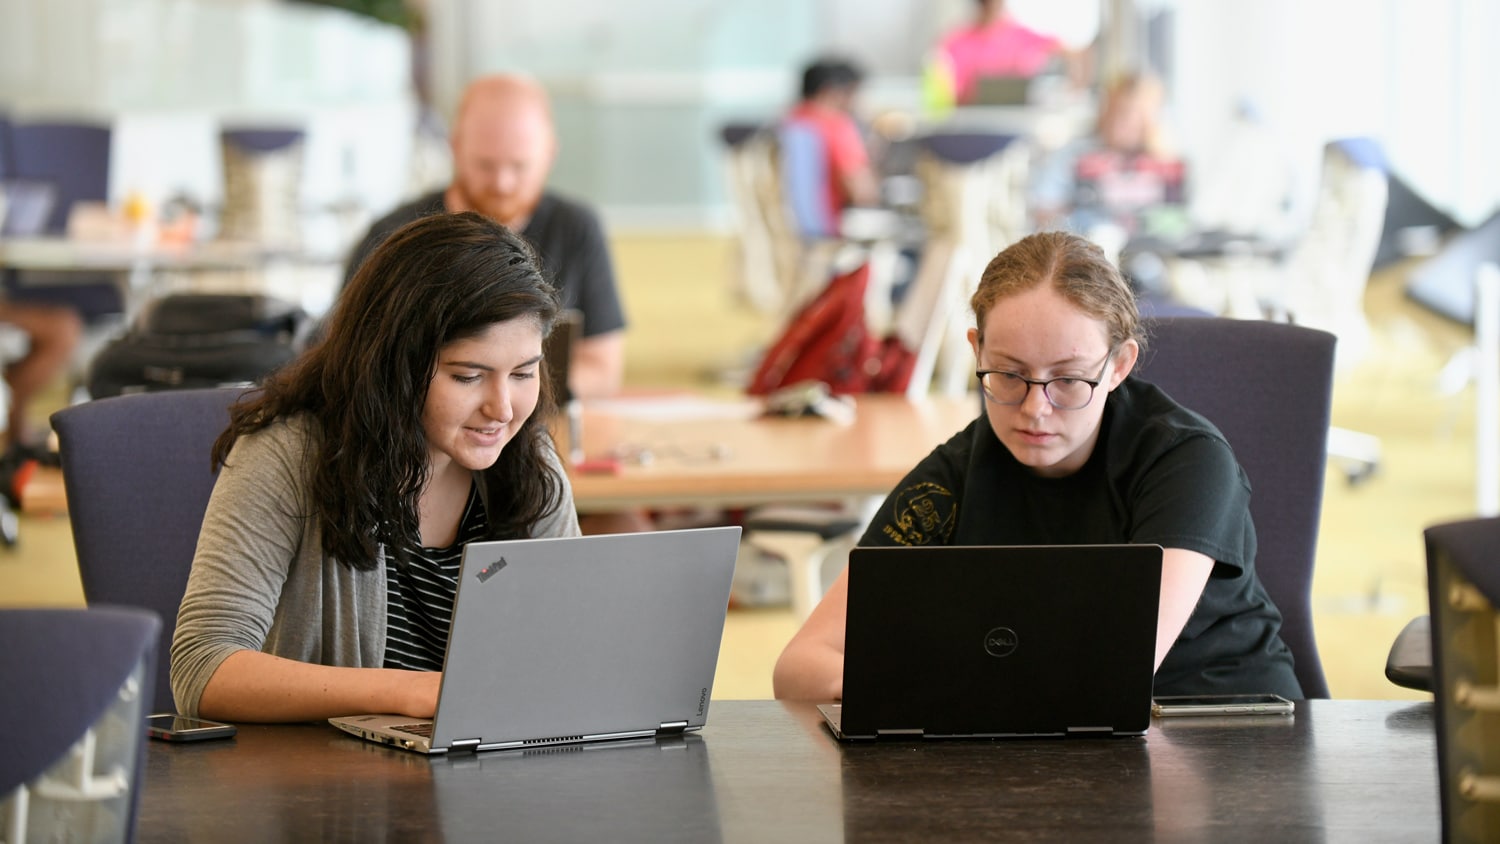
(261, 139)
(1444, 283)
(734, 134)
(137, 476)
(968, 180)
(781, 267)
(1463, 585)
(1269, 388)
(804, 180)
(66, 674)
(73, 157)
(766, 247)
(262, 184)
(7, 168)
(1325, 274)
(974, 187)
(64, 164)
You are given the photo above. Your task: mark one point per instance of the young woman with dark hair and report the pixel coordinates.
(326, 567)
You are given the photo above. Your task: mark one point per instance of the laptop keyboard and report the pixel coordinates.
(423, 729)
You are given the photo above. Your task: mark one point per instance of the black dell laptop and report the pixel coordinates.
(994, 642)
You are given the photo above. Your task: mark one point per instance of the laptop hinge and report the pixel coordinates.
(465, 744)
(670, 728)
(1085, 731)
(916, 731)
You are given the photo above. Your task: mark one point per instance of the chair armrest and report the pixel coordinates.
(1410, 661)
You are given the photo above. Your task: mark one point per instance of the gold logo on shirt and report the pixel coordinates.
(923, 514)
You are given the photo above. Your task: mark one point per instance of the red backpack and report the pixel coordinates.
(829, 341)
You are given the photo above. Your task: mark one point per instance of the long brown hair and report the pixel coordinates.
(437, 280)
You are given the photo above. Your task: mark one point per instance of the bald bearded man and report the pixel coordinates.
(503, 146)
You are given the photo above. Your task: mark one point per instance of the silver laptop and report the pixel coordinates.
(566, 640)
(1004, 641)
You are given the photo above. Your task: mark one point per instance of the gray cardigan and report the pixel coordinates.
(260, 580)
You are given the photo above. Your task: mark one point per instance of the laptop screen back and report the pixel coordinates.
(557, 353)
(560, 639)
(1041, 640)
(1001, 90)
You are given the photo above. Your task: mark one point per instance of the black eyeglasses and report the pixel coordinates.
(1011, 388)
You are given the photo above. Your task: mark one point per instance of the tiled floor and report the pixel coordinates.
(687, 330)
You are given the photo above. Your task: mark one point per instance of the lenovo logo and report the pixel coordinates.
(490, 570)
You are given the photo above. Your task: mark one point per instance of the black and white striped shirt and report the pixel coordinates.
(419, 598)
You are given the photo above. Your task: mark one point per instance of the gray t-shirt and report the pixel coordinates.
(260, 580)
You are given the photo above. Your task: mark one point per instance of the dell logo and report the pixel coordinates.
(490, 570)
(1001, 641)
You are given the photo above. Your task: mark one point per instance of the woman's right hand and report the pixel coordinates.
(258, 687)
(421, 693)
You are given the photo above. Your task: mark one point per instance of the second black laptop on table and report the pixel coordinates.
(963, 641)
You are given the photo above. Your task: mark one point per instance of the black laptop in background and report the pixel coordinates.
(992, 642)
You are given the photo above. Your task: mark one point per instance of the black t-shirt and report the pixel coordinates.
(1159, 474)
(567, 235)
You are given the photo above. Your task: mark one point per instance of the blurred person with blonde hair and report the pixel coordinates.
(1116, 177)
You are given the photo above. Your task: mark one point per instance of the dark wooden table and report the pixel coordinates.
(764, 771)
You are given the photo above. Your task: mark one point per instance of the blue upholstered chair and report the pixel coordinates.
(7, 166)
(74, 690)
(137, 476)
(73, 158)
(1268, 387)
(804, 180)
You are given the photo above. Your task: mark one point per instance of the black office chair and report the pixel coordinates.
(1269, 388)
(137, 476)
(1463, 586)
(74, 690)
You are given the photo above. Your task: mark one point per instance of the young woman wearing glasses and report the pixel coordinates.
(1071, 450)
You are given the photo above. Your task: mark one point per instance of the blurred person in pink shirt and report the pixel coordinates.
(996, 44)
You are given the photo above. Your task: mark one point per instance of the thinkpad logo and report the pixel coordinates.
(1001, 641)
(490, 570)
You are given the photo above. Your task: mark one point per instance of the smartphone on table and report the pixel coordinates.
(1258, 704)
(182, 728)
